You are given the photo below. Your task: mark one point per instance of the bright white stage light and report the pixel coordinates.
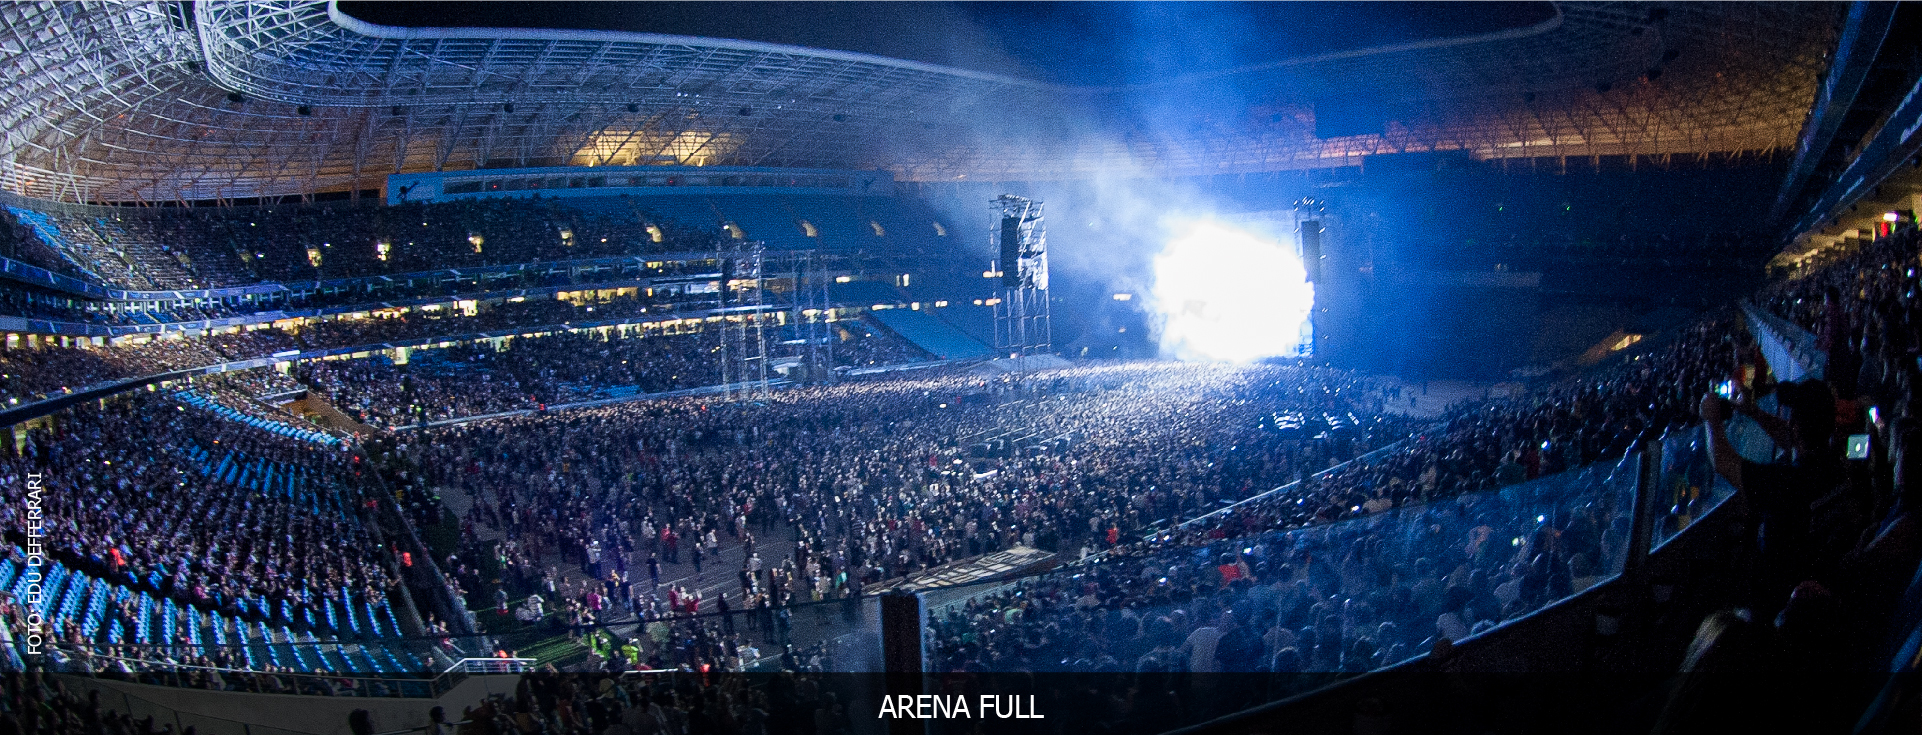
(1230, 295)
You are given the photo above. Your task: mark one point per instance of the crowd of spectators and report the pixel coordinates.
(37, 702)
(350, 294)
(479, 378)
(873, 480)
(1345, 597)
(1449, 560)
(866, 343)
(376, 392)
(894, 492)
(189, 248)
(1476, 519)
(19, 242)
(1835, 542)
(1861, 312)
(27, 374)
(1487, 445)
(162, 497)
(556, 703)
(1837, 539)
(32, 373)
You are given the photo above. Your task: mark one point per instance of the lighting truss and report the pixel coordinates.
(1022, 317)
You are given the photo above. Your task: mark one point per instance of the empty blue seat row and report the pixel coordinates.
(19, 586)
(373, 663)
(262, 642)
(161, 620)
(392, 662)
(278, 479)
(291, 651)
(373, 621)
(347, 611)
(392, 625)
(167, 612)
(231, 414)
(49, 586)
(193, 627)
(69, 605)
(96, 604)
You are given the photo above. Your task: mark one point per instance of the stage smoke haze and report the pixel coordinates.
(1226, 294)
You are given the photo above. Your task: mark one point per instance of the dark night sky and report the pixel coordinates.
(1081, 43)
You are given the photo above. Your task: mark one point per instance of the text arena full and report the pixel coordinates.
(926, 707)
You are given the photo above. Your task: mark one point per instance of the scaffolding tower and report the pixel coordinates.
(774, 317)
(1022, 326)
(742, 315)
(809, 311)
(800, 312)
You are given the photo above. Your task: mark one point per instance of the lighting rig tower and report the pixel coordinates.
(800, 295)
(1021, 314)
(1310, 215)
(743, 310)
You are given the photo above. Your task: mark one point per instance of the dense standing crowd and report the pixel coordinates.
(1344, 597)
(865, 482)
(1450, 559)
(1490, 445)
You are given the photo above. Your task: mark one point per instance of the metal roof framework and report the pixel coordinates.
(150, 101)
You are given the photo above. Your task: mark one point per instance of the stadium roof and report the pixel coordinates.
(163, 101)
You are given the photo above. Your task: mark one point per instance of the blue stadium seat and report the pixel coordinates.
(167, 612)
(142, 629)
(96, 607)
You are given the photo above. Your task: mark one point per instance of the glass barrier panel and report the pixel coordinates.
(1347, 596)
(1689, 488)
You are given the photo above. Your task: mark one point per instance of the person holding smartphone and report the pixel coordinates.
(1779, 493)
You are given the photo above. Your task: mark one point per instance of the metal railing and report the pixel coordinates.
(1790, 350)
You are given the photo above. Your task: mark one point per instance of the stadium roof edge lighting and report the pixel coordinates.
(153, 101)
